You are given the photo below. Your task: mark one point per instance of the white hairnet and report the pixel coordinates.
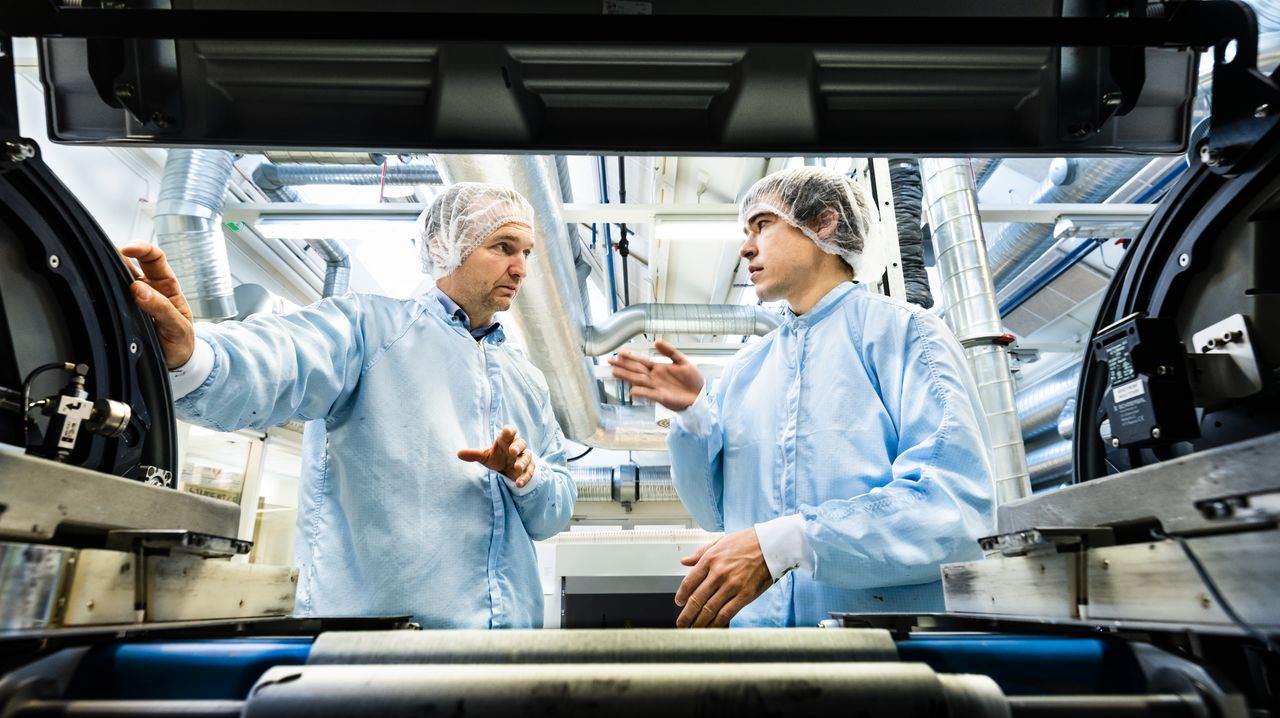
(801, 196)
(463, 216)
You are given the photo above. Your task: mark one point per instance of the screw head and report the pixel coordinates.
(1115, 442)
(1210, 156)
(1205, 602)
(1262, 111)
(1155, 432)
(1163, 370)
(54, 262)
(1184, 259)
(133, 347)
(1112, 99)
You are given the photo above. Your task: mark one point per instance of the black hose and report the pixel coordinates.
(904, 178)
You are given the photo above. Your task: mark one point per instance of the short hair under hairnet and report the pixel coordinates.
(463, 216)
(800, 196)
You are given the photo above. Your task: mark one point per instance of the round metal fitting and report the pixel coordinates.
(1155, 432)
(1115, 442)
(54, 261)
(133, 347)
(1184, 259)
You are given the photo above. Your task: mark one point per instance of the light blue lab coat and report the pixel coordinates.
(390, 521)
(861, 416)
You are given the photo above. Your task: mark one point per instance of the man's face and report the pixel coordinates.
(489, 278)
(779, 257)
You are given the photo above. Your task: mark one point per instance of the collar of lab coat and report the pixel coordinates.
(824, 306)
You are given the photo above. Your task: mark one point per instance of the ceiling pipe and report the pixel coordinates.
(971, 314)
(188, 227)
(724, 319)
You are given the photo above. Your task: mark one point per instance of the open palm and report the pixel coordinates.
(675, 385)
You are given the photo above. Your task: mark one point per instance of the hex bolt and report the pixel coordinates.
(1115, 442)
(1210, 157)
(1164, 370)
(1262, 111)
(1155, 432)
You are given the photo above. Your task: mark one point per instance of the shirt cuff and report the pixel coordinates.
(188, 377)
(784, 545)
(697, 419)
(534, 481)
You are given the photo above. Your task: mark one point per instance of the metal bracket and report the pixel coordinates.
(1048, 540)
(14, 148)
(1246, 103)
(1224, 365)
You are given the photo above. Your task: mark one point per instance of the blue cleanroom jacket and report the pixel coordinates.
(390, 521)
(860, 415)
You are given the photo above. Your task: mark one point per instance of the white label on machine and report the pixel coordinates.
(1125, 392)
(76, 410)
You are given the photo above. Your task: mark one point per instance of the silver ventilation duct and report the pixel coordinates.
(626, 483)
(1049, 463)
(188, 227)
(640, 319)
(971, 313)
(271, 177)
(337, 259)
(549, 311)
(1082, 180)
(1040, 406)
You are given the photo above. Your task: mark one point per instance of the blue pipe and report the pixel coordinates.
(608, 238)
(1080, 252)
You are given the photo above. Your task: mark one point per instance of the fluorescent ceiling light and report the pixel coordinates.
(354, 227)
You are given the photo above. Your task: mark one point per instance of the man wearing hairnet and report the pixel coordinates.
(844, 455)
(432, 457)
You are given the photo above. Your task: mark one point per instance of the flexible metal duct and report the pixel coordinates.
(549, 311)
(1049, 463)
(1040, 405)
(1091, 180)
(640, 319)
(270, 177)
(971, 313)
(1067, 419)
(982, 169)
(904, 181)
(337, 259)
(625, 482)
(188, 227)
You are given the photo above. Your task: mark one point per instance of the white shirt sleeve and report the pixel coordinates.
(697, 419)
(784, 545)
(188, 377)
(533, 483)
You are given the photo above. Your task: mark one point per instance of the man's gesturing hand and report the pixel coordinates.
(509, 456)
(675, 385)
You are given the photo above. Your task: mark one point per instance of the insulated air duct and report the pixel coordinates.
(971, 313)
(188, 227)
(271, 177)
(640, 319)
(1040, 406)
(904, 179)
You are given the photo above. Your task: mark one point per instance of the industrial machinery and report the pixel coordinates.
(1147, 588)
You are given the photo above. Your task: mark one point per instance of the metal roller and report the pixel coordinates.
(869, 690)
(603, 646)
